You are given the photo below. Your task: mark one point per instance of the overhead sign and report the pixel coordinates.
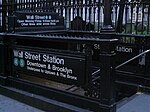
(57, 67)
(38, 19)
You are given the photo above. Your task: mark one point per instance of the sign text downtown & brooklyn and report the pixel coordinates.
(57, 67)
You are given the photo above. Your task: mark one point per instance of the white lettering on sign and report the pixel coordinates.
(33, 69)
(36, 19)
(18, 54)
(30, 16)
(71, 77)
(62, 69)
(20, 21)
(49, 72)
(29, 21)
(96, 46)
(124, 49)
(24, 24)
(47, 64)
(31, 56)
(53, 59)
(39, 65)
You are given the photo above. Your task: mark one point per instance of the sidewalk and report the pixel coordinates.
(10, 105)
(137, 103)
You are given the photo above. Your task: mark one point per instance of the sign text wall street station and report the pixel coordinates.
(53, 66)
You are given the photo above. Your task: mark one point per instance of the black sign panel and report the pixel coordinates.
(38, 20)
(57, 67)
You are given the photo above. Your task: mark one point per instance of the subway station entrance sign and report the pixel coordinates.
(67, 69)
(36, 20)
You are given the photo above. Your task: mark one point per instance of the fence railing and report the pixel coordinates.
(130, 17)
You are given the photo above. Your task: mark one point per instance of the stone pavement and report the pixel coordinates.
(10, 105)
(139, 103)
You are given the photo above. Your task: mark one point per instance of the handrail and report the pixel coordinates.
(96, 72)
(124, 63)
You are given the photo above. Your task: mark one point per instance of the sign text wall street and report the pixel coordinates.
(36, 19)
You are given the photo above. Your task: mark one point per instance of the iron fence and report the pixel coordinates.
(130, 17)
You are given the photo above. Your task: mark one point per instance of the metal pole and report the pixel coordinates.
(3, 15)
(120, 16)
(107, 13)
(107, 76)
(107, 28)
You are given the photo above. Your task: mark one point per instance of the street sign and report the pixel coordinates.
(64, 68)
(36, 21)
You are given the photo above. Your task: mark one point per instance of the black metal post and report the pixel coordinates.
(120, 17)
(107, 87)
(3, 15)
(107, 28)
(107, 58)
(107, 13)
(3, 60)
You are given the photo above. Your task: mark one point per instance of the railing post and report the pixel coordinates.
(4, 15)
(107, 58)
(3, 59)
(107, 87)
(107, 12)
(120, 17)
(107, 28)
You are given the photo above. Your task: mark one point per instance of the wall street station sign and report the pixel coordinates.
(62, 68)
(38, 20)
